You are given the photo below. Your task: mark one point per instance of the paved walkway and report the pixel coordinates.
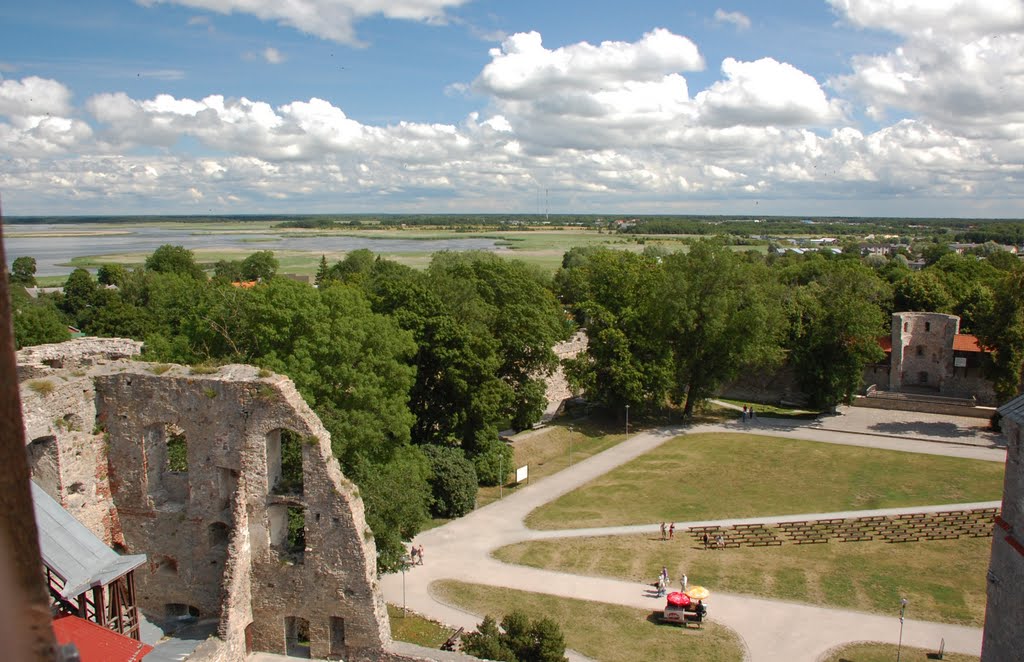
(772, 631)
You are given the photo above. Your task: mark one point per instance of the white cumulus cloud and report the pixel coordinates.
(329, 19)
(766, 92)
(739, 19)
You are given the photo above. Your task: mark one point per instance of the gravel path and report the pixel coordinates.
(772, 631)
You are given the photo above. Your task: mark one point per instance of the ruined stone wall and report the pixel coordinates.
(212, 527)
(1004, 614)
(557, 389)
(922, 351)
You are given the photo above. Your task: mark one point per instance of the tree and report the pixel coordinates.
(261, 265)
(80, 297)
(612, 293)
(1001, 329)
(23, 271)
(168, 259)
(322, 271)
(720, 313)
(112, 274)
(836, 321)
(519, 640)
(453, 481)
(36, 321)
(228, 270)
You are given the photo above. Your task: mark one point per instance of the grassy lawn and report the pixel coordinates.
(717, 476)
(869, 652)
(774, 411)
(415, 629)
(546, 451)
(609, 633)
(944, 580)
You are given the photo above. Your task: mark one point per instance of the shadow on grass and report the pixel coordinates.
(932, 429)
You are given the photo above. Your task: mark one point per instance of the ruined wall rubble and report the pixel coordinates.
(182, 466)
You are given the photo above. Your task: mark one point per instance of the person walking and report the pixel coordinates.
(421, 555)
(684, 582)
(662, 530)
(744, 413)
(705, 539)
(671, 530)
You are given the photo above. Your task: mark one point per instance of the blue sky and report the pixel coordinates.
(847, 107)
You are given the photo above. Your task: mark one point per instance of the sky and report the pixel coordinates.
(796, 107)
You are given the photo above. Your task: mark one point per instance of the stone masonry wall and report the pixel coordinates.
(212, 529)
(922, 350)
(1003, 639)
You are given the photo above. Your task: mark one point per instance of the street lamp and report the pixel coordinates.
(406, 561)
(570, 444)
(903, 609)
(627, 421)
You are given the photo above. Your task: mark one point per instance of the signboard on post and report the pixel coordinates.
(522, 473)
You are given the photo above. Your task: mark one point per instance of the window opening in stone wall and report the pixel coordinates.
(289, 479)
(922, 377)
(337, 637)
(296, 636)
(906, 326)
(166, 450)
(227, 484)
(177, 450)
(927, 326)
(920, 350)
(288, 531)
(43, 465)
(181, 612)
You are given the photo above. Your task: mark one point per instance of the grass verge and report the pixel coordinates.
(944, 580)
(872, 652)
(609, 633)
(546, 452)
(415, 629)
(717, 476)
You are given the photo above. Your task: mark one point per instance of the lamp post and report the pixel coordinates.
(903, 609)
(404, 566)
(627, 421)
(570, 444)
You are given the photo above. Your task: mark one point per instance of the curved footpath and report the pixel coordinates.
(772, 630)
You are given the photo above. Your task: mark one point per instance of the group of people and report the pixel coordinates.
(748, 413)
(663, 582)
(719, 540)
(416, 554)
(670, 530)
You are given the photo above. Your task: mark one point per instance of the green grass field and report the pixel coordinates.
(603, 632)
(415, 629)
(718, 476)
(943, 580)
(870, 652)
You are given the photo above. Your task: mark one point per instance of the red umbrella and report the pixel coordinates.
(678, 599)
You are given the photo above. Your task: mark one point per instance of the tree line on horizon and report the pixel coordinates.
(414, 372)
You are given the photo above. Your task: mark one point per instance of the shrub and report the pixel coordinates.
(522, 640)
(41, 386)
(453, 483)
(494, 461)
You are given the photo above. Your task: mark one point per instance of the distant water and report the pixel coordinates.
(51, 252)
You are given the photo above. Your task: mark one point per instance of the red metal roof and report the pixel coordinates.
(964, 342)
(96, 643)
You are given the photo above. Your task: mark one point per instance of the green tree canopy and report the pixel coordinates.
(261, 265)
(168, 259)
(23, 271)
(720, 313)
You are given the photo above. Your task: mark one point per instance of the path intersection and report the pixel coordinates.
(770, 630)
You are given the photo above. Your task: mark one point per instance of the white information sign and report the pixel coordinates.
(522, 473)
(959, 361)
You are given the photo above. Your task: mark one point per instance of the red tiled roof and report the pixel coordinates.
(245, 284)
(964, 342)
(96, 643)
(885, 342)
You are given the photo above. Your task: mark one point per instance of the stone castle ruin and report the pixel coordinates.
(225, 481)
